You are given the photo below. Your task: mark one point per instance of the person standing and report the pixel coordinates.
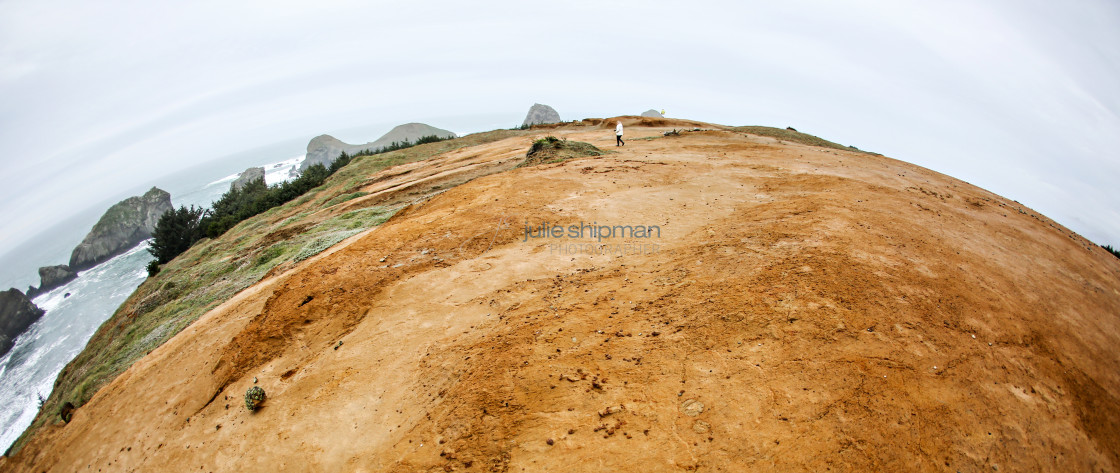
(618, 135)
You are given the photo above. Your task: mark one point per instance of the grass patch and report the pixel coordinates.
(795, 136)
(343, 198)
(273, 252)
(322, 243)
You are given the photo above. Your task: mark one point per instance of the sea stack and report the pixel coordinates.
(51, 277)
(122, 227)
(541, 114)
(247, 176)
(16, 314)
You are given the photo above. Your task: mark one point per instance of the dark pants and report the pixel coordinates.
(618, 141)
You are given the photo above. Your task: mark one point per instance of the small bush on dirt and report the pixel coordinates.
(254, 397)
(551, 149)
(1112, 250)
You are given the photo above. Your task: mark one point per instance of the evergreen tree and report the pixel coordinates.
(175, 232)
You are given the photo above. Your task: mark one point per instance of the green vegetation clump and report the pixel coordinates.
(1112, 250)
(153, 268)
(790, 134)
(254, 397)
(273, 252)
(551, 149)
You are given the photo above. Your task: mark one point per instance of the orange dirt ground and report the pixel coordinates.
(807, 309)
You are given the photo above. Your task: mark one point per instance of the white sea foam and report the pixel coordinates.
(274, 172)
(282, 171)
(229, 178)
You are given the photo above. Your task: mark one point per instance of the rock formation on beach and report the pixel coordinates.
(323, 149)
(651, 113)
(16, 314)
(51, 277)
(541, 114)
(247, 176)
(125, 224)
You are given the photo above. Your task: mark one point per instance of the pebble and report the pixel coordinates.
(701, 427)
(692, 407)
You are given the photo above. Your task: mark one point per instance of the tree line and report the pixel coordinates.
(179, 229)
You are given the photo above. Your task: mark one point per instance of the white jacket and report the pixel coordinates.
(618, 129)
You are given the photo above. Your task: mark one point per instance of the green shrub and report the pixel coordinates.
(1112, 250)
(254, 397)
(153, 268)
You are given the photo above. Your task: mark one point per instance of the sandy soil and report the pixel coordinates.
(805, 309)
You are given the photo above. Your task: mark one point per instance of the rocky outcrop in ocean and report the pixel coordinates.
(51, 277)
(247, 176)
(16, 314)
(124, 225)
(324, 149)
(539, 114)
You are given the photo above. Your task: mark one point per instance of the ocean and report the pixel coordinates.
(75, 310)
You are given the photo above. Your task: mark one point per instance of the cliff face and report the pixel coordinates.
(125, 224)
(541, 113)
(16, 314)
(324, 149)
(51, 277)
(249, 175)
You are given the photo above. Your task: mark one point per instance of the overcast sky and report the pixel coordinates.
(1019, 97)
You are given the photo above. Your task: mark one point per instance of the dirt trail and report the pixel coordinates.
(804, 309)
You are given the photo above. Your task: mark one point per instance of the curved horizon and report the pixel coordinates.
(1018, 99)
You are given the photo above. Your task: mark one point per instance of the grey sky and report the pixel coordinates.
(1018, 97)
